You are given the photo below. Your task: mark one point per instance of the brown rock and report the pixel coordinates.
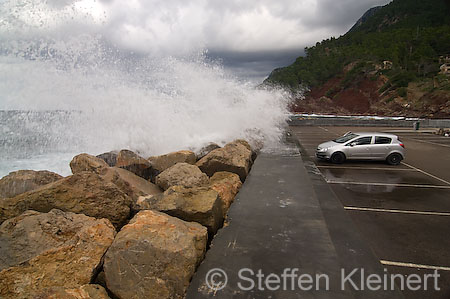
(227, 184)
(86, 162)
(198, 204)
(85, 193)
(254, 151)
(182, 174)
(154, 256)
(136, 164)
(234, 157)
(206, 150)
(110, 158)
(21, 181)
(131, 184)
(244, 143)
(88, 291)
(54, 249)
(161, 163)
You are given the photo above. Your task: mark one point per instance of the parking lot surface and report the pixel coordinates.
(403, 211)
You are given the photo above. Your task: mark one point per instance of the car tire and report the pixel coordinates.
(394, 159)
(337, 158)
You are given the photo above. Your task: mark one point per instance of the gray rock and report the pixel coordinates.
(136, 164)
(206, 150)
(110, 158)
(154, 256)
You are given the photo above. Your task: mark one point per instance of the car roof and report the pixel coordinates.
(362, 134)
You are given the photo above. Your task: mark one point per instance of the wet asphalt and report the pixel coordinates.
(402, 212)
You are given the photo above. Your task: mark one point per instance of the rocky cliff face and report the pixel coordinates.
(367, 94)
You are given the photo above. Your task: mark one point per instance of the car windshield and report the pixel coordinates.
(345, 138)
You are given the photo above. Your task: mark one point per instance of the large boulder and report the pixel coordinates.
(198, 204)
(227, 185)
(88, 291)
(206, 150)
(182, 174)
(21, 181)
(110, 158)
(234, 157)
(255, 150)
(131, 184)
(85, 193)
(86, 162)
(46, 250)
(161, 163)
(136, 164)
(154, 256)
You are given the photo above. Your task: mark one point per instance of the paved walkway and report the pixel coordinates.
(286, 217)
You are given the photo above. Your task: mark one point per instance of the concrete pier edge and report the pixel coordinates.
(286, 216)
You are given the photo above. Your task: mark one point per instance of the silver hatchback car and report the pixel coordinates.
(363, 146)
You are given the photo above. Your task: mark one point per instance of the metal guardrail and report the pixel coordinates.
(367, 121)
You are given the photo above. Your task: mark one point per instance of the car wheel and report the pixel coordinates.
(394, 159)
(337, 158)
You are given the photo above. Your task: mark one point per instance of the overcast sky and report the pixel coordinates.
(251, 37)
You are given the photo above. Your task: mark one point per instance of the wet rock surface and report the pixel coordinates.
(227, 185)
(110, 158)
(234, 157)
(129, 183)
(206, 150)
(136, 164)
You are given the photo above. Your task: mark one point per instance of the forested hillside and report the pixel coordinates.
(389, 60)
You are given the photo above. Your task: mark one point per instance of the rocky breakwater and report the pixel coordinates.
(121, 226)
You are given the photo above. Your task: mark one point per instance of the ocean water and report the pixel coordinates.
(65, 89)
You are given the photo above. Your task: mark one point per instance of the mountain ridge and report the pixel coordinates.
(386, 64)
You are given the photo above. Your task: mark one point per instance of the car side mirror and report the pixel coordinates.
(352, 144)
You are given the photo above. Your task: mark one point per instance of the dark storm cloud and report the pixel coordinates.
(257, 35)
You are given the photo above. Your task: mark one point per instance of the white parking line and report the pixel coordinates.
(434, 143)
(411, 265)
(424, 172)
(327, 130)
(365, 168)
(435, 138)
(387, 184)
(397, 211)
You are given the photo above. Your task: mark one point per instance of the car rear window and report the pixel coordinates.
(382, 140)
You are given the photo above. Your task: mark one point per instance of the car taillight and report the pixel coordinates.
(402, 145)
